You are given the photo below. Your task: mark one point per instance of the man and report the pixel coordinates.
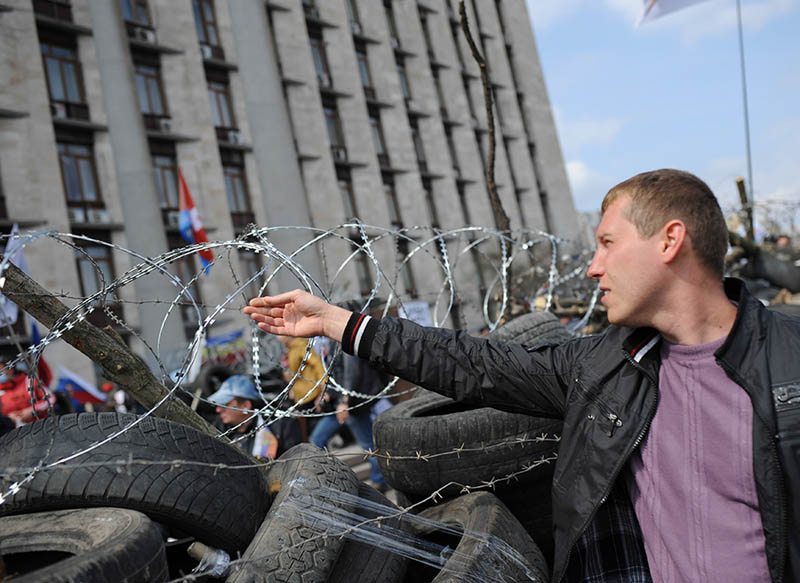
(681, 421)
(357, 375)
(311, 379)
(15, 393)
(237, 401)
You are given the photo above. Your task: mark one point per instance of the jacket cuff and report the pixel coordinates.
(359, 334)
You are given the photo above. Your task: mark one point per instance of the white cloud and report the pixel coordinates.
(544, 13)
(588, 187)
(630, 9)
(597, 132)
(711, 18)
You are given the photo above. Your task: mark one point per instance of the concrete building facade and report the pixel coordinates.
(276, 112)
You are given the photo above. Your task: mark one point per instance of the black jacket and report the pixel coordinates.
(605, 388)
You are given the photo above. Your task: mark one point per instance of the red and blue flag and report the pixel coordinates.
(189, 223)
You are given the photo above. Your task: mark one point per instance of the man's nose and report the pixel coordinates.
(595, 270)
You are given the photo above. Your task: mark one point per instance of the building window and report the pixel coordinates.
(95, 268)
(148, 87)
(391, 23)
(205, 22)
(363, 65)
(346, 189)
(430, 202)
(426, 33)
(405, 89)
(416, 139)
(165, 171)
(393, 204)
(451, 146)
(80, 179)
(186, 270)
(377, 136)
(64, 83)
(332, 122)
(250, 262)
(136, 11)
(352, 11)
(318, 54)
(236, 189)
(221, 113)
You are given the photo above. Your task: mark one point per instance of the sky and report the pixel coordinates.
(668, 93)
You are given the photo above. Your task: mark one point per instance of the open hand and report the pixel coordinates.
(299, 314)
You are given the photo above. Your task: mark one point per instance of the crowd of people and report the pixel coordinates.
(25, 398)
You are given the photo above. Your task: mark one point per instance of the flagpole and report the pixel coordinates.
(744, 100)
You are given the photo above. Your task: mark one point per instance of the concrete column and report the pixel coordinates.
(279, 174)
(137, 189)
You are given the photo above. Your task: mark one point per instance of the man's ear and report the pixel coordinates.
(673, 237)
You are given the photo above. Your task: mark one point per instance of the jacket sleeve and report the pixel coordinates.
(510, 377)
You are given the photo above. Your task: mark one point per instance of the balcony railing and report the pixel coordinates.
(65, 110)
(53, 9)
(93, 213)
(140, 32)
(157, 123)
(228, 135)
(241, 219)
(211, 52)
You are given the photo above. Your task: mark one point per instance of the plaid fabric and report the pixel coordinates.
(612, 549)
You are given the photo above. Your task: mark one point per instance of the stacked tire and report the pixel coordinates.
(324, 526)
(431, 443)
(170, 479)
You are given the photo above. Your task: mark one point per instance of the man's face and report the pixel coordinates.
(627, 267)
(232, 416)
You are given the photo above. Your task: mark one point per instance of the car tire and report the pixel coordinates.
(373, 560)
(97, 544)
(175, 474)
(489, 544)
(299, 540)
(436, 427)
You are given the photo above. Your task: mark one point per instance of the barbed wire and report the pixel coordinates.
(449, 252)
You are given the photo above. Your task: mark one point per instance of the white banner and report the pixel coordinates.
(655, 8)
(9, 311)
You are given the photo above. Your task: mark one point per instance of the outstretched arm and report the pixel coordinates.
(298, 313)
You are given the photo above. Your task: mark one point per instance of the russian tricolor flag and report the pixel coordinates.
(189, 223)
(79, 390)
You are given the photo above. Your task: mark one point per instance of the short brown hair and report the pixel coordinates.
(659, 196)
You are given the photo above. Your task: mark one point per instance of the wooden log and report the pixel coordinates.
(105, 347)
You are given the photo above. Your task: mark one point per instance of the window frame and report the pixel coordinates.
(362, 59)
(218, 94)
(204, 24)
(333, 123)
(161, 169)
(62, 147)
(151, 80)
(135, 10)
(61, 61)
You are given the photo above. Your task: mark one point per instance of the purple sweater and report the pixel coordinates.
(692, 482)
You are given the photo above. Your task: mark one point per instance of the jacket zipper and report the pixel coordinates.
(613, 418)
(776, 460)
(625, 458)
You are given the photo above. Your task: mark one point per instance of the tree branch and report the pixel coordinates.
(109, 351)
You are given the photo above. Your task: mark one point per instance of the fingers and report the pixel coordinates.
(260, 313)
(279, 300)
(277, 330)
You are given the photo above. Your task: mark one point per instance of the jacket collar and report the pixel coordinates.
(636, 341)
(748, 323)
